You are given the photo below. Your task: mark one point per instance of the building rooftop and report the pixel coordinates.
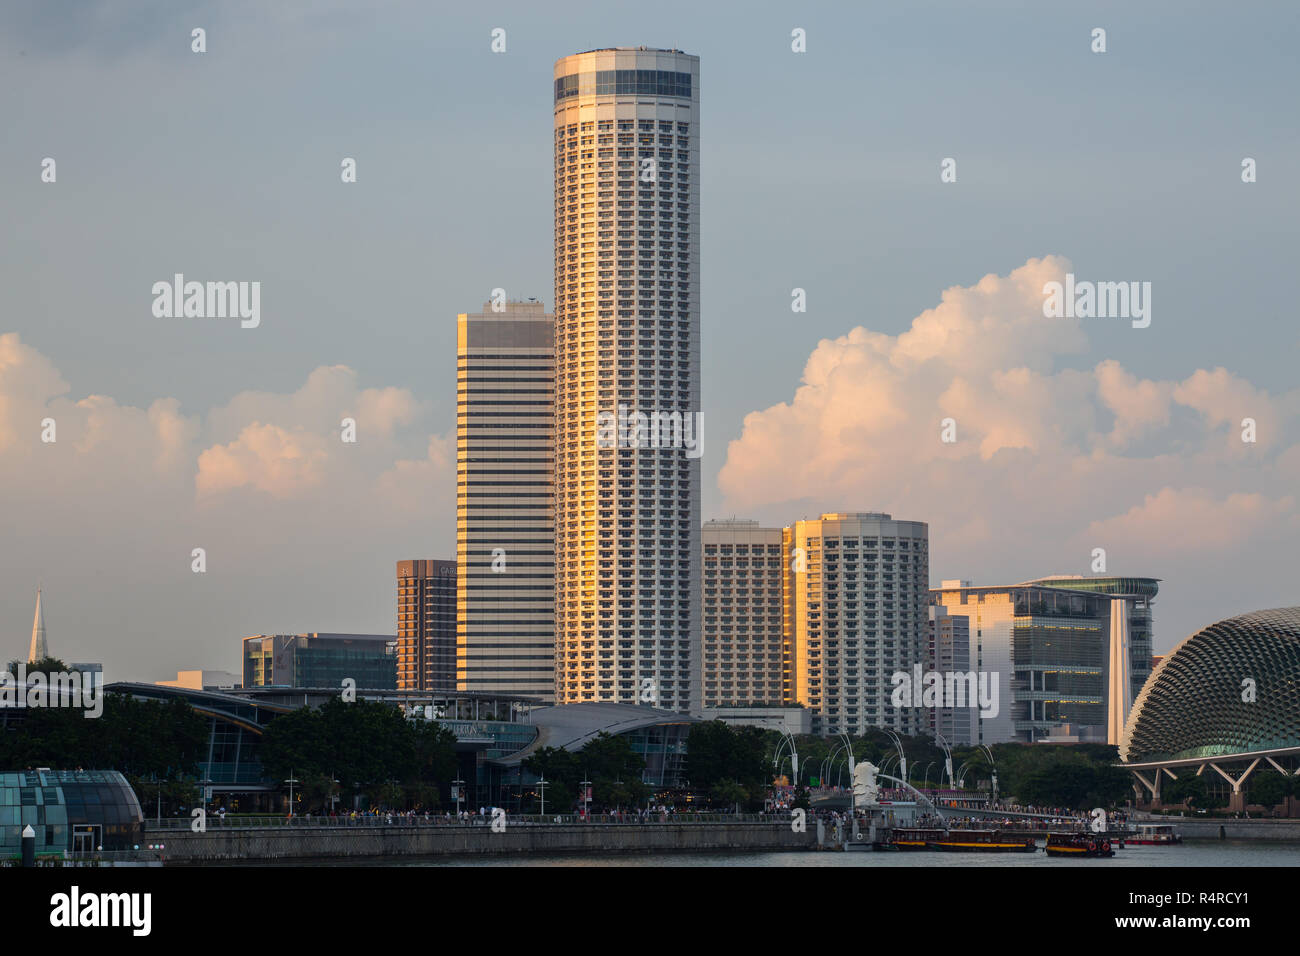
(571, 726)
(630, 49)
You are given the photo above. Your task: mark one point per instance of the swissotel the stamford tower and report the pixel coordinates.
(627, 345)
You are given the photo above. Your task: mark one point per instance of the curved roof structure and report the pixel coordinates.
(1196, 702)
(571, 726)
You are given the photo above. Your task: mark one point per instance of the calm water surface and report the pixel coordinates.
(1225, 853)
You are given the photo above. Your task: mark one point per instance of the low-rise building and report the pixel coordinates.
(321, 660)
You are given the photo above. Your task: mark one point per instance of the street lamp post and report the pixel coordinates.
(457, 788)
(848, 747)
(291, 781)
(947, 757)
(902, 758)
(993, 764)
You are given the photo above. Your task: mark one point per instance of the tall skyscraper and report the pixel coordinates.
(743, 659)
(857, 593)
(426, 625)
(505, 544)
(627, 344)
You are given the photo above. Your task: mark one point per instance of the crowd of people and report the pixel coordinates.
(483, 816)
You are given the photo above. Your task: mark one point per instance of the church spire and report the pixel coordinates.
(39, 650)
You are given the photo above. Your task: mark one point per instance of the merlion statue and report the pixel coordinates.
(865, 788)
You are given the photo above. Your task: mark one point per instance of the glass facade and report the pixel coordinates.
(624, 83)
(81, 811)
(321, 660)
(1142, 593)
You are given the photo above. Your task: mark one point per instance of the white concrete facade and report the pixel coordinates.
(788, 720)
(857, 587)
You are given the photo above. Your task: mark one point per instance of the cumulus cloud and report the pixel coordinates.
(266, 457)
(1051, 460)
(301, 529)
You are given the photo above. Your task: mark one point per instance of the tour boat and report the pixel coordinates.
(911, 838)
(1152, 834)
(983, 841)
(1079, 844)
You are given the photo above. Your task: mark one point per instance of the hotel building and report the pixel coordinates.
(856, 596)
(744, 654)
(627, 334)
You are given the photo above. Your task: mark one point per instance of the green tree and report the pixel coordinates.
(1269, 788)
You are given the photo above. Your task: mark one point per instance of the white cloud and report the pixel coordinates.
(301, 528)
(1049, 462)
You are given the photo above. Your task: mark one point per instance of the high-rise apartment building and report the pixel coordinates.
(426, 625)
(505, 544)
(743, 653)
(627, 344)
(857, 590)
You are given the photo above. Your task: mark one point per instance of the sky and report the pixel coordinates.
(820, 171)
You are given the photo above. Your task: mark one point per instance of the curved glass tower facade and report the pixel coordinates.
(627, 348)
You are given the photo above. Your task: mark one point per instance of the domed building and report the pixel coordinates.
(1228, 693)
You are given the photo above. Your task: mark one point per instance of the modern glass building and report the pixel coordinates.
(627, 343)
(1048, 643)
(320, 660)
(78, 811)
(1141, 593)
(505, 538)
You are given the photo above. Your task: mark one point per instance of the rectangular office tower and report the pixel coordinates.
(627, 351)
(426, 625)
(743, 653)
(505, 544)
(857, 591)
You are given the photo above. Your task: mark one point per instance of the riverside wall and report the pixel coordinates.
(1208, 828)
(231, 845)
